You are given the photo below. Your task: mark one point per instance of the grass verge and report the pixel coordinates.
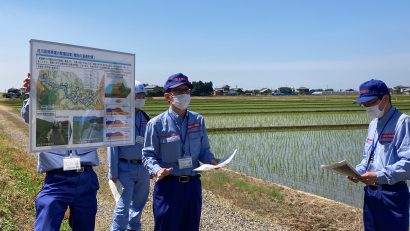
(14, 103)
(19, 185)
(247, 194)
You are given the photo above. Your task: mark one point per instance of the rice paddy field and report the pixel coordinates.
(285, 139)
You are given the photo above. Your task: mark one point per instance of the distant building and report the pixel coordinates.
(265, 91)
(317, 93)
(401, 89)
(303, 91)
(227, 90)
(224, 90)
(311, 91)
(234, 91)
(151, 88)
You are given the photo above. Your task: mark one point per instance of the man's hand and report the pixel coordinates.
(26, 83)
(215, 161)
(369, 178)
(163, 172)
(353, 179)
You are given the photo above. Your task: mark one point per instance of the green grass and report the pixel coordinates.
(220, 181)
(14, 103)
(19, 185)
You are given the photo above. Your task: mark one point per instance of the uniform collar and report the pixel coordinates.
(176, 117)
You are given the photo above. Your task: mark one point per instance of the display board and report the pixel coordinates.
(80, 97)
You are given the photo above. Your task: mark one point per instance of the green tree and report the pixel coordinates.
(286, 90)
(202, 88)
(158, 91)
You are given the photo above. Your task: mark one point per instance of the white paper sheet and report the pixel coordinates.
(116, 189)
(342, 167)
(224, 161)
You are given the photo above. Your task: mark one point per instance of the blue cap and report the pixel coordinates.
(176, 80)
(372, 89)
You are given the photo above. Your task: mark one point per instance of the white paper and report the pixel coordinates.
(116, 189)
(343, 167)
(224, 161)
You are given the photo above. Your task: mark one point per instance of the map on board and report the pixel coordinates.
(63, 90)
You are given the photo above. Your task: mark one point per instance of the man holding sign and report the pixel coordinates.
(70, 182)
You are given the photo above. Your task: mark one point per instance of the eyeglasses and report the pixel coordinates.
(179, 91)
(370, 103)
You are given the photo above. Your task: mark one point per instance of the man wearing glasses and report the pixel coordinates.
(386, 161)
(175, 142)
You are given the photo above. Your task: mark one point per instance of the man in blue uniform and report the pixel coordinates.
(175, 142)
(126, 166)
(386, 161)
(76, 189)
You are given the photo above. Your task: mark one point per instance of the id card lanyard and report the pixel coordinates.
(183, 137)
(374, 145)
(186, 160)
(139, 139)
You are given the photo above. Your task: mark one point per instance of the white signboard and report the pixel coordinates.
(80, 97)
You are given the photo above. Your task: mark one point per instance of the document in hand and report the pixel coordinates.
(224, 161)
(116, 189)
(342, 167)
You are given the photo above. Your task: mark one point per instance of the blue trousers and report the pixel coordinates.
(128, 210)
(386, 208)
(67, 189)
(177, 205)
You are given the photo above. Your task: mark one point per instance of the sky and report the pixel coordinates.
(250, 44)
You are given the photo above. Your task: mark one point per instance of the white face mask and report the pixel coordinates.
(374, 111)
(181, 101)
(139, 103)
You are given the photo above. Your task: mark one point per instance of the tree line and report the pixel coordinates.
(198, 89)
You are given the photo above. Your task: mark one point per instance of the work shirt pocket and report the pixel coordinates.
(195, 144)
(170, 149)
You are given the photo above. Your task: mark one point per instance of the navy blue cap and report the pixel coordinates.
(176, 80)
(371, 89)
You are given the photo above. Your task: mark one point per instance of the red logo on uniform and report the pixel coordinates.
(387, 136)
(364, 91)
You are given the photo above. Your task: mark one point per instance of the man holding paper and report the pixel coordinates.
(175, 142)
(386, 161)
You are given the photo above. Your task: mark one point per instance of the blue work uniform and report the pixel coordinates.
(177, 198)
(125, 164)
(386, 205)
(62, 189)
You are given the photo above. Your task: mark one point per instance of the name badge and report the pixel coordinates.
(173, 138)
(185, 163)
(139, 139)
(71, 163)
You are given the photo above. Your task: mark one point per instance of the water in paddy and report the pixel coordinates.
(293, 159)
